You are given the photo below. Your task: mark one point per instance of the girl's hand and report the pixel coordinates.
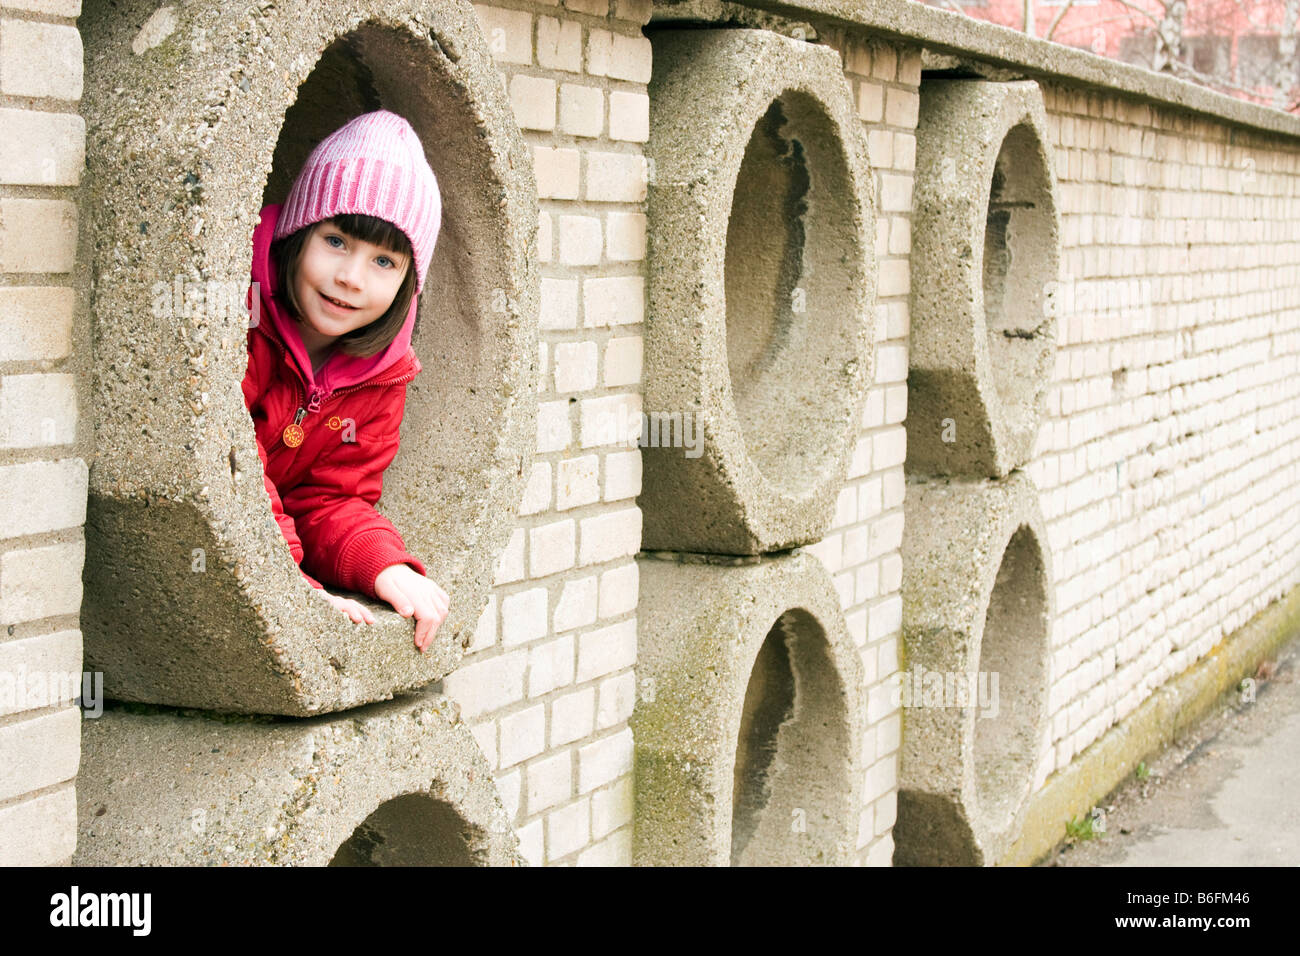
(353, 609)
(410, 592)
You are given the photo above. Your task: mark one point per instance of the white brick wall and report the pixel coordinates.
(43, 475)
(1169, 461)
(553, 695)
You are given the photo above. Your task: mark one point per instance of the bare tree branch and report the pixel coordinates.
(1057, 19)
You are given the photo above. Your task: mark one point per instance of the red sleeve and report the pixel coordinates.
(344, 539)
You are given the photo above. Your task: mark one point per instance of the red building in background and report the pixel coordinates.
(1243, 48)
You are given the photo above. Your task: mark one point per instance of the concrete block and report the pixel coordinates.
(727, 349)
(721, 648)
(398, 783)
(983, 319)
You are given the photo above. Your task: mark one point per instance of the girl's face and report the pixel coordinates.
(344, 283)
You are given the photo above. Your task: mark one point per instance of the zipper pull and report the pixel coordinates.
(313, 403)
(293, 433)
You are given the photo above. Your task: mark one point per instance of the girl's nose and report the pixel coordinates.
(349, 271)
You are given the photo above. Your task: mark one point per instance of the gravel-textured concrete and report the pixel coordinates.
(397, 783)
(761, 270)
(191, 596)
(749, 715)
(985, 256)
(977, 600)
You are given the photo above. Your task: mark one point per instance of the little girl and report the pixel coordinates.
(339, 267)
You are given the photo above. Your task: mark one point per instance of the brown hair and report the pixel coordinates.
(378, 335)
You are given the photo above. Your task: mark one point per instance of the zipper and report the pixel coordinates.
(313, 401)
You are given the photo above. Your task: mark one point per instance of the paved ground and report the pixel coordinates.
(1227, 795)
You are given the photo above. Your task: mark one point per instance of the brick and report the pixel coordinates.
(573, 716)
(909, 67)
(615, 850)
(532, 98)
(523, 616)
(582, 110)
(41, 149)
(43, 496)
(550, 781)
(509, 33)
(531, 843)
(619, 588)
(550, 666)
(40, 59)
(895, 193)
(41, 582)
(616, 177)
(37, 235)
(901, 107)
(558, 171)
(595, 8)
(609, 536)
(871, 102)
(551, 548)
(41, 831)
(577, 482)
(580, 240)
(625, 236)
(613, 300)
(537, 495)
(575, 366)
(880, 148)
(559, 304)
(630, 58)
(577, 604)
(894, 279)
(488, 685)
(39, 671)
(37, 410)
(553, 430)
(36, 323)
(629, 116)
(39, 751)
(606, 650)
(605, 761)
(904, 152)
(567, 829)
(510, 566)
(544, 237)
(523, 735)
(615, 699)
(611, 420)
(599, 48)
(622, 475)
(611, 808)
(559, 44)
(884, 62)
(623, 360)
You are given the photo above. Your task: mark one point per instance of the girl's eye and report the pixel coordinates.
(332, 239)
(384, 259)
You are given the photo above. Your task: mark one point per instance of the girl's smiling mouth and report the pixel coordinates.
(342, 306)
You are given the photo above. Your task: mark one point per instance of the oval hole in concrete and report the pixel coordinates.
(414, 829)
(790, 803)
(1008, 707)
(792, 239)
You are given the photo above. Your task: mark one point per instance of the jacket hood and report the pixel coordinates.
(340, 370)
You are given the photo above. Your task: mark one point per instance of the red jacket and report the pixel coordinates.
(324, 490)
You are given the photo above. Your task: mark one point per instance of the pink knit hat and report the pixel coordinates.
(373, 165)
